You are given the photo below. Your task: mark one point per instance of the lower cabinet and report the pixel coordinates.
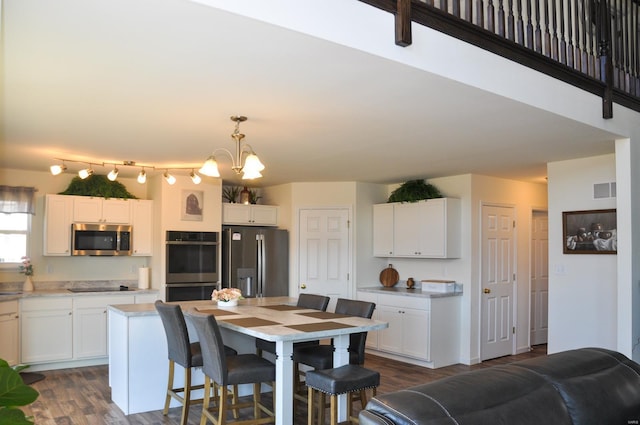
(9, 331)
(71, 328)
(46, 329)
(90, 324)
(422, 330)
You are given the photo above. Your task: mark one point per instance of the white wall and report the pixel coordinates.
(56, 269)
(582, 288)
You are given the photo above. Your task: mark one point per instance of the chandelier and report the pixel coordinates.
(252, 165)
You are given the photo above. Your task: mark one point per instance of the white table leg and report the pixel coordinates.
(284, 383)
(341, 358)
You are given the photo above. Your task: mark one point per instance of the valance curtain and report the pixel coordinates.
(17, 199)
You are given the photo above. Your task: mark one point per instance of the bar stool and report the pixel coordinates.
(183, 352)
(345, 379)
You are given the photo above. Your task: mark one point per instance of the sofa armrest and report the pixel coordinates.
(370, 418)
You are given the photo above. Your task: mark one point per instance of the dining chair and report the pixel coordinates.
(224, 371)
(183, 352)
(310, 301)
(321, 356)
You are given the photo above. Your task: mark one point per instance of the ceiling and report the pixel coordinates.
(155, 82)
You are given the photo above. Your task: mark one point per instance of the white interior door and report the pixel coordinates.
(539, 278)
(324, 253)
(498, 278)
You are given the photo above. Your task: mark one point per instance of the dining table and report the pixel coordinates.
(275, 319)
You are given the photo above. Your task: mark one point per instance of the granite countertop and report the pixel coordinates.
(414, 292)
(10, 295)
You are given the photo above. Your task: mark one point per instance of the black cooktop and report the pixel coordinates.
(122, 288)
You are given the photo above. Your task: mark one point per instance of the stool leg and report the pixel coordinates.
(310, 406)
(186, 396)
(321, 406)
(334, 409)
(169, 388)
(207, 398)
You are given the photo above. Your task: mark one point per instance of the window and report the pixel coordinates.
(14, 232)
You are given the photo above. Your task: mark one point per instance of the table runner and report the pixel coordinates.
(251, 322)
(322, 326)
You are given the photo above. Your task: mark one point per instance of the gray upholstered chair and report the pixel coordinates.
(310, 301)
(224, 371)
(183, 352)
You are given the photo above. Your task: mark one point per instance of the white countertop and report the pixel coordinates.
(414, 292)
(16, 295)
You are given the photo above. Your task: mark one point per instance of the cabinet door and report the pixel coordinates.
(265, 215)
(116, 211)
(415, 329)
(46, 330)
(87, 209)
(432, 229)
(9, 332)
(57, 225)
(406, 229)
(142, 224)
(390, 339)
(90, 324)
(383, 230)
(235, 214)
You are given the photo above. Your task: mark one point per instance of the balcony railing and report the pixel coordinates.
(592, 44)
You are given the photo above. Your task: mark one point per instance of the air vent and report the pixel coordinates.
(604, 190)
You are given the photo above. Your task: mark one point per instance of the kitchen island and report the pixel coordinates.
(138, 349)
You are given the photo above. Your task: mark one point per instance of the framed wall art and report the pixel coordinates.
(590, 232)
(191, 205)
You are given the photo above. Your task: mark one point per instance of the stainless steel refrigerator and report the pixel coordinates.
(255, 260)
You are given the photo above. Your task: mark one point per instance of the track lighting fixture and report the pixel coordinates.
(58, 169)
(85, 172)
(142, 177)
(196, 179)
(169, 178)
(113, 174)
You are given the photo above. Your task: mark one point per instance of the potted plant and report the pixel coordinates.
(14, 393)
(253, 196)
(413, 191)
(230, 193)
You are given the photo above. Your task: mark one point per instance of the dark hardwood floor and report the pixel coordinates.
(82, 396)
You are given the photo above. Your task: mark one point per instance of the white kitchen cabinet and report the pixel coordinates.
(383, 230)
(87, 209)
(90, 324)
(372, 337)
(142, 226)
(422, 330)
(424, 229)
(146, 298)
(250, 215)
(9, 331)
(57, 225)
(46, 329)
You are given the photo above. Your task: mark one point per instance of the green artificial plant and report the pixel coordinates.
(14, 393)
(413, 191)
(230, 193)
(99, 186)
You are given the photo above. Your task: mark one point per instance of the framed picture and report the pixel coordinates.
(590, 232)
(192, 205)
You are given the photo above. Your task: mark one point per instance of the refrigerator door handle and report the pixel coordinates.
(260, 265)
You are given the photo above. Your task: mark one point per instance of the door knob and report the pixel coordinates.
(303, 286)
(487, 291)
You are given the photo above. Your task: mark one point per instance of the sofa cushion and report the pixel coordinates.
(497, 395)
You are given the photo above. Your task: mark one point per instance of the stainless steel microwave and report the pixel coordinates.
(100, 239)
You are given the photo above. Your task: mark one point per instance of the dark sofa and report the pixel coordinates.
(588, 386)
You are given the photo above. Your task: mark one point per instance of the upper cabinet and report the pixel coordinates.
(250, 215)
(100, 210)
(63, 210)
(425, 229)
(57, 225)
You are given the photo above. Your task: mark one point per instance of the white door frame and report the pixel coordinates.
(534, 212)
(514, 292)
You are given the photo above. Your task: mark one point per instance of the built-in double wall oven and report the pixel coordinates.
(192, 269)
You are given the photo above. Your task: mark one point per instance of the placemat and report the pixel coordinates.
(217, 312)
(322, 326)
(282, 307)
(324, 315)
(251, 322)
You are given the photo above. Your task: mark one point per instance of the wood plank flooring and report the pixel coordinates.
(82, 396)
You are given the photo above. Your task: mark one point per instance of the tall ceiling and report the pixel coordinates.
(155, 82)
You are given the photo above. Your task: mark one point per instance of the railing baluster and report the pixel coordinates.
(554, 40)
(563, 41)
(490, 15)
(510, 23)
(455, 8)
(468, 11)
(626, 45)
(538, 33)
(576, 25)
(501, 18)
(529, 42)
(520, 25)
(480, 13)
(569, 35)
(636, 24)
(584, 22)
(547, 33)
(444, 5)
